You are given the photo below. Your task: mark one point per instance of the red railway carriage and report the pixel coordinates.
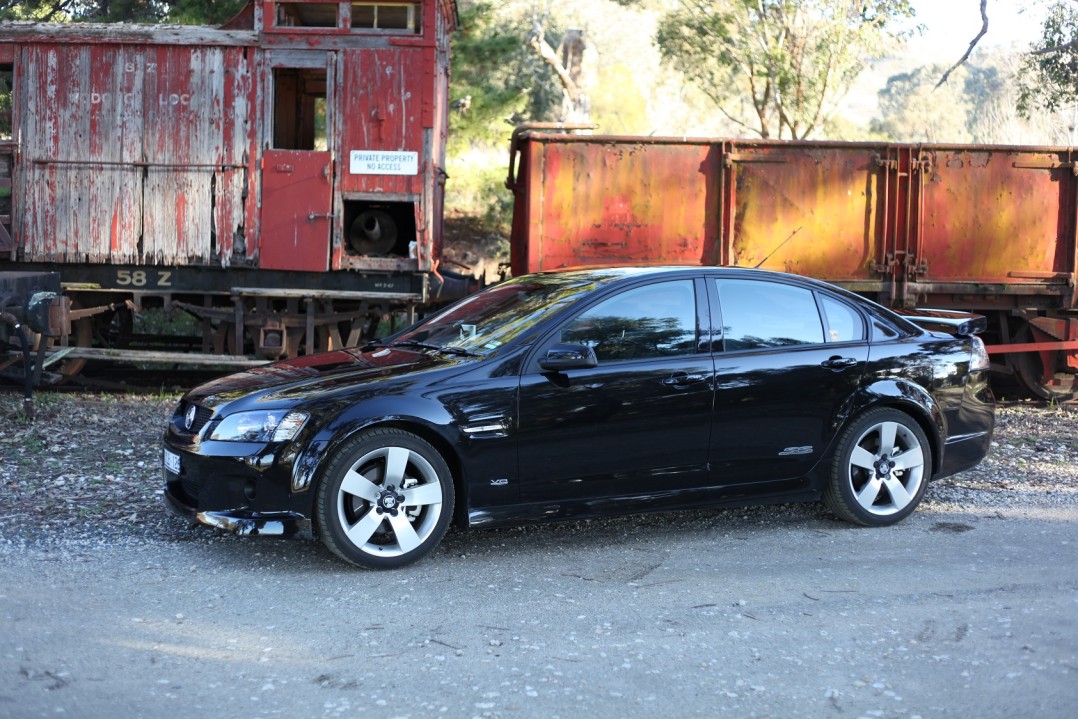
(987, 229)
(278, 177)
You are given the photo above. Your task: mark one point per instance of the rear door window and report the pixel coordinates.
(757, 314)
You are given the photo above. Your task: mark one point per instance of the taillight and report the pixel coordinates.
(979, 356)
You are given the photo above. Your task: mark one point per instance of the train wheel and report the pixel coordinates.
(1029, 370)
(118, 327)
(223, 338)
(82, 335)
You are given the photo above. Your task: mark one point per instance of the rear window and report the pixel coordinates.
(844, 323)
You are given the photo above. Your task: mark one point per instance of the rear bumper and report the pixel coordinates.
(970, 427)
(963, 452)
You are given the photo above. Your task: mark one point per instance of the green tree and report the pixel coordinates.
(1048, 79)
(913, 109)
(203, 12)
(190, 12)
(495, 80)
(40, 10)
(778, 68)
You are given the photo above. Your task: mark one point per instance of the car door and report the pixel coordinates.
(637, 423)
(791, 359)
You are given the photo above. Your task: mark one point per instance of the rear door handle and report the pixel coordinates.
(839, 363)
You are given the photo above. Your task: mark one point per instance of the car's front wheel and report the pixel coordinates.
(881, 469)
(386, 499)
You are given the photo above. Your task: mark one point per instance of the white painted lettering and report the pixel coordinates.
(174, 100)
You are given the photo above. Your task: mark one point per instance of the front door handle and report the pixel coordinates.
(839, 363)
(683, 379)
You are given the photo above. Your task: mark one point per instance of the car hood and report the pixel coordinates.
(287, 382)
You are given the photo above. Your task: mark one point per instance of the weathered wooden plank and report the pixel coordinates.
(186, 358)
(238, 132)
(134, 153)
(104, 33)
(381, 86)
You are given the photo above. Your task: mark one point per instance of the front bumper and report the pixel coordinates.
(240, 488)
(243, 522)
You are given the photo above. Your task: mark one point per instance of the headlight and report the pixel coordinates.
(275, 425)
(979, 359)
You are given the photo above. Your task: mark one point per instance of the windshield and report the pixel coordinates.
(489, 319)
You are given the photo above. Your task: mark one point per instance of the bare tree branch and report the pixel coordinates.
(550, 56)
(1056, 48)
(972, 44)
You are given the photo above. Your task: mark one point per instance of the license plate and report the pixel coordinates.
(172, 462)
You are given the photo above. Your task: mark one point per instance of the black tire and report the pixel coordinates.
(881, 469)
(377, 521)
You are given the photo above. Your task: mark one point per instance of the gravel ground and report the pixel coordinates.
(88, 469)
(967, 608)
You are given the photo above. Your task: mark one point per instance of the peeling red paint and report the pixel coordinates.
(143, 144)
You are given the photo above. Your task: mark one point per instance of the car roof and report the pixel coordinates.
(608, 274)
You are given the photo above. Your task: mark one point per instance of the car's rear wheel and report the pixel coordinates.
(881, 469)
(386, 499)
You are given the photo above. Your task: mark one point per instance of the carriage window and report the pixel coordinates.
(654, 321)
(305, 14)
(299, 118)
(390, 17)
(758, 315)
(7, 83)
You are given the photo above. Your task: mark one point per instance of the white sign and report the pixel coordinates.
(378, 162)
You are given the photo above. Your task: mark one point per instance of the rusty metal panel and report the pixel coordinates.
(384, 105)
(132, 153)
(619, 202)
(809, 210)
(999, 215)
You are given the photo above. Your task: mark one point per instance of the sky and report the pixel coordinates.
(950, 25)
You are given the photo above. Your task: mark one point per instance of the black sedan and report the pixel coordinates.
(584, 393)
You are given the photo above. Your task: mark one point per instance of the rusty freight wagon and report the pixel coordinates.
(279, 178)
(987, 229)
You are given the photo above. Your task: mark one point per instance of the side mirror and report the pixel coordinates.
(565, 356)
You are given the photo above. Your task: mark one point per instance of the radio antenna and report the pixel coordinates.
(757, 265)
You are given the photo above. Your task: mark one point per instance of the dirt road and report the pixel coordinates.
(967, 609)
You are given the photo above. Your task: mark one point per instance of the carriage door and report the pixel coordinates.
(297, 164)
